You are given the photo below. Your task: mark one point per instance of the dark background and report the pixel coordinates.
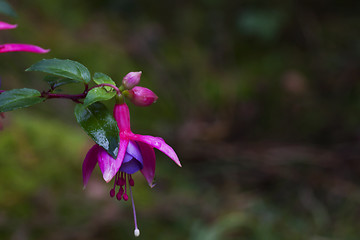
(260, 100)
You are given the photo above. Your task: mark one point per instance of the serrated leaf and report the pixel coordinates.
(63, 68)
(5, 8)
(100, 125)
(55, 81)
(100, 78)
(19, 98)
(98, 94)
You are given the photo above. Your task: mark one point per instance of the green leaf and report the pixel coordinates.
(100, 125)
(98, 94)
(19, 98)
(55, 81)
(5, 8)
(63, 68)
(100, 78)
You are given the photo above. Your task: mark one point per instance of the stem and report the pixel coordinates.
(74, 97)
(108, 85)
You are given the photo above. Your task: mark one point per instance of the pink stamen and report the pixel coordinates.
(122, 181)
(125, 196)
(118, 196)
(131, 181)
(117, 178)
(121, 191)
(112, 192)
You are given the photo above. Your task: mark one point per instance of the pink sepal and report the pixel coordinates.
(158, 143)
(149, 162)
(89, 163)
(110, 166)
(122, 117)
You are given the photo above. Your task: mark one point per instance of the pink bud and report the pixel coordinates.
(141, 96)
(131, 80)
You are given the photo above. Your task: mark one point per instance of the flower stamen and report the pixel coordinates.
(131, 181)
(125, 196)
(112, 191)
(121, 181)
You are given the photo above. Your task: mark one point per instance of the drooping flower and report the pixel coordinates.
(136, 153)
(18, 47)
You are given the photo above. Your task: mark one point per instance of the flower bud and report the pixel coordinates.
(141, 96)
(131, 80)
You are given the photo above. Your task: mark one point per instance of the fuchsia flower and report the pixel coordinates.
(18, 47)
(136, 153)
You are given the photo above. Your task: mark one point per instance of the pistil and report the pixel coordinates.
(136, 231)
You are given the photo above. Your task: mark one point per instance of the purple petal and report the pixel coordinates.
(110, 166)
(133, 160)
(130, 165)
(89, 163)
(20, 47)
(149, 162)
(157, 143)
(4, 26)
(134, 151)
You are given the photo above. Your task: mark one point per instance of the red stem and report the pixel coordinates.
(75, 97)
(108, 85)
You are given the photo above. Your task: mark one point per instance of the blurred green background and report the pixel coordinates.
(260, 99)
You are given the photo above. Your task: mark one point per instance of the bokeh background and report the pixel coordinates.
(260, 99)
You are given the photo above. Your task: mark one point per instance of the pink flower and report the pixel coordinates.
(18, 47)
(110, 167)
(136, 153)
